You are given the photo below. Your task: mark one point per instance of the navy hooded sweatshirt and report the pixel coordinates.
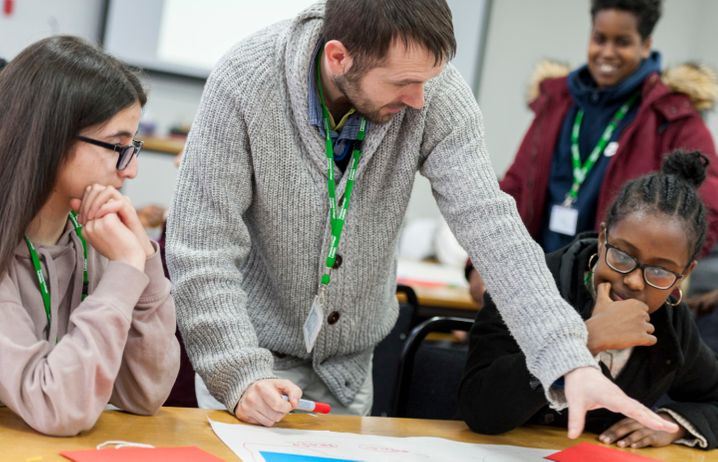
(599, 106)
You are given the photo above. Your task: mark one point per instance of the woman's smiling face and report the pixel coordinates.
(615, 49)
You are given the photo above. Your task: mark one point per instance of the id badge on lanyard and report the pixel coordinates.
(563, 220)
(315, 318)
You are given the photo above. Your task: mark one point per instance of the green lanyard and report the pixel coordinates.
(44, 290)
(337, 219)
(580, 172)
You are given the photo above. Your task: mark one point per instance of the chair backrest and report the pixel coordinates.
(430, 372)
(387, 354)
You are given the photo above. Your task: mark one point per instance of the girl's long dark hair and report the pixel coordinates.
(48, 93)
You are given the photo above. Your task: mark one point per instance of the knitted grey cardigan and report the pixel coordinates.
(248, 232)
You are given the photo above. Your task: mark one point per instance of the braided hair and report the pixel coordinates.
(672, 191)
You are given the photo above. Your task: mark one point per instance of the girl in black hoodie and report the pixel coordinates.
(621, 281)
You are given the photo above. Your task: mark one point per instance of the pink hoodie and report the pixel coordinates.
(117, 346)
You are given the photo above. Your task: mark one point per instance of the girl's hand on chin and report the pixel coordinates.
(616, 325)
(115, 241)
(100, 200)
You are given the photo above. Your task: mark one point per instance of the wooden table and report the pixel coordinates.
(443, 301)
(441, 290)
(189, 427)
(443, 297)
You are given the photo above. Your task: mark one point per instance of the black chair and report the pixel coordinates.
(387, 354)
(430, 372)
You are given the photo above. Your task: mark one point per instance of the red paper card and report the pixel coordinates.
(586, 452)
(183, 454)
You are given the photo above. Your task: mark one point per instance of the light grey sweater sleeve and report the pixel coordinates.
(486, 223)
(208, 240)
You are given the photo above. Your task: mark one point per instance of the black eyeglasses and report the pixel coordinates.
(655, 276)
(127, 153)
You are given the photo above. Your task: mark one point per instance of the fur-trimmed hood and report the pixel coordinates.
(697, 81)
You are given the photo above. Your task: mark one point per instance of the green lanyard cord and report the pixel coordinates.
(580, 172)
(44, 289)
(85, 276)
(337, 220)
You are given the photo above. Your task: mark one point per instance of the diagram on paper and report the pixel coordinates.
(259, 444)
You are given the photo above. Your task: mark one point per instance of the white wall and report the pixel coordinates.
(706, 46)
(32, 20)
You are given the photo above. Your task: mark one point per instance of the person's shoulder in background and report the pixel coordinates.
(547, 76)
(697, 81)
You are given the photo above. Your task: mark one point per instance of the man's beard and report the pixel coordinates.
(349, 87)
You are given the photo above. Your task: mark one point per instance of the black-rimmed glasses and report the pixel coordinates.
(655, 276)
(127, 153)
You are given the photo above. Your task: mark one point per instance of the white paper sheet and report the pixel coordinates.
(248, 441)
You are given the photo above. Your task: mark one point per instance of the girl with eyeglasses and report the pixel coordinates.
(624, 281)
(87, 316)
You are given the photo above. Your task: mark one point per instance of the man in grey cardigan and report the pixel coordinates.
(267, 300)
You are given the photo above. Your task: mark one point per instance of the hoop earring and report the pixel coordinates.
(591, 262)
(680, 298)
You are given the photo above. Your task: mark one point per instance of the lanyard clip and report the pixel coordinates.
(568, 201)
(324, 282)
(322, 292)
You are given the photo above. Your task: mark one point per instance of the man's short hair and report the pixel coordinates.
(368, 27)
(647, 12)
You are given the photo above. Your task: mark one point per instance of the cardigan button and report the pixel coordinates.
(333, 317)
(337, 262)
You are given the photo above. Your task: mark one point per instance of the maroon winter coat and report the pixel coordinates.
(665, 121)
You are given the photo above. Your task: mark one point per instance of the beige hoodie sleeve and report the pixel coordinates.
(151, 359)
(61, 389)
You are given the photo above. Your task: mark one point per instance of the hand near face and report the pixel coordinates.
(477, 287)
(618, 324)
(704, 303)
(100, 200)
(262, 402)
(115, 241)
(628, 433)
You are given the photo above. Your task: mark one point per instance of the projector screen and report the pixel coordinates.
(187, 37)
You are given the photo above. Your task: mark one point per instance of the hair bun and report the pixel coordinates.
(690, 166)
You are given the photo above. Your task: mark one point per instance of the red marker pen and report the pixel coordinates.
(311, 406)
